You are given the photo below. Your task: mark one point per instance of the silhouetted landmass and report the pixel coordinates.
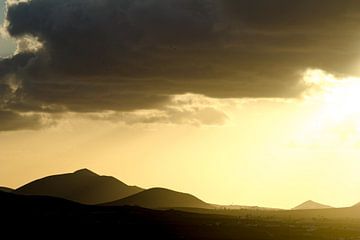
(189, 217)
(34, 216)
(11, 202)
(83, 186)
(156, 198)
(6, 189)
(311, 205)
(357, 205)
(328, 213)
(239, 207)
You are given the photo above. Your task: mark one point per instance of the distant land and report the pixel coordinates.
(161, 198)
(241, 207)
(6, 189)
(83, 186)
(311, 205)
(357, 205)
(87, 187)
(55, 204)
(37, 216)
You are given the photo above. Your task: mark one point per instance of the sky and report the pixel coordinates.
(8, 46)
(237, 102)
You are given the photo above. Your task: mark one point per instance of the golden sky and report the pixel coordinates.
(268, 152)
(238, 105)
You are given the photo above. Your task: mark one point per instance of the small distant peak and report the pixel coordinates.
(311, 205)
(85, 171)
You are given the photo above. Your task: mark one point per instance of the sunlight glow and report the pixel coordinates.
(335, 116)
(340, 96)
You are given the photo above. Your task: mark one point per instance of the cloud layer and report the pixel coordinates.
(125, 55)
(13, 121)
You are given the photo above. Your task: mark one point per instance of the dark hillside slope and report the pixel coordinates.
(156, 198)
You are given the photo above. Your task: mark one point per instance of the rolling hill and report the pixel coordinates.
(83, 186)
(6, 189)
(311, 205)
(15, 203)
(156, 198)
(357, 205)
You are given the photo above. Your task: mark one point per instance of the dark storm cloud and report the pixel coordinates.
(133, 54)
(14, 64)
(288, 14)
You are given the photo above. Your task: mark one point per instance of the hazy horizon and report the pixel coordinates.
(228, 100)
(306, 204)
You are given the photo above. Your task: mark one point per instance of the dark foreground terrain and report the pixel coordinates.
(51, 217)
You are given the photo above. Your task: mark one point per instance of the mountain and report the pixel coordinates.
(161, 198)
(311, 205)
(83, 186)
(6, 189)
(357, 205)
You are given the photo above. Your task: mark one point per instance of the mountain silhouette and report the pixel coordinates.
(308, 205)
(83, 186)
(161, 198)
(6, 189)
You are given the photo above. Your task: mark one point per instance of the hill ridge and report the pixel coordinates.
(161, 198)
(83, 186)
